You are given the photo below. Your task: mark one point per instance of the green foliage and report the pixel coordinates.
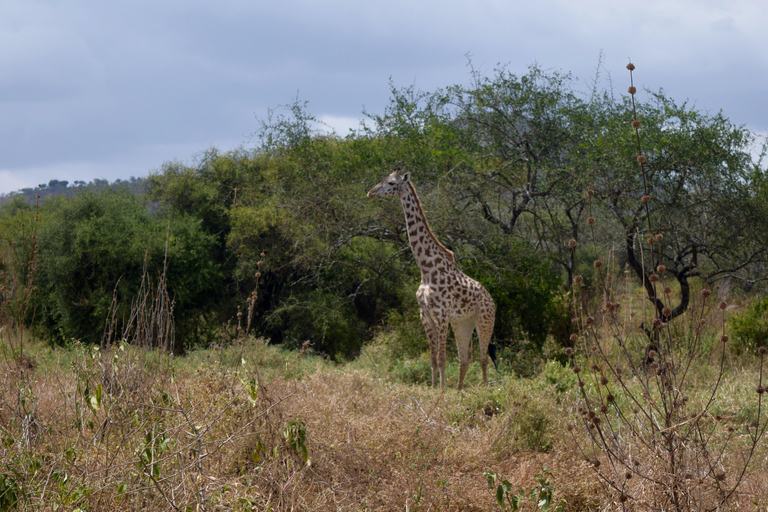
(295, 434)
(561, 377)
(94, 248)
(406, 339)
(534, 427)
(525, 290)
(10, 492)
(323, 319)
(751, 326)
(412, 371)
(542, 494)
(151, 452)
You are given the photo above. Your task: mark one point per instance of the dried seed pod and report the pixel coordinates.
(641, 159)
(578, 279)
(706, 292)
(666, 311)
(591, 221)
(603, 408)
(661, 268)
(723, 305)
(574, 337)
(762, 351)
(589, 320)
(635, 124)
(603, 380)
(598, 264)
(610, 399)
(653, 277)
(632, 90)
(576, 369)
(659, 237)
(652, 353)
(572, 243)
(667, 290)
(646, 198)
(590, 192)
(651, 240)
(631, 66)
(569, 350)
(724, 338)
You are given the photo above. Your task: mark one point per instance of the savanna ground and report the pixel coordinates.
(253, 426)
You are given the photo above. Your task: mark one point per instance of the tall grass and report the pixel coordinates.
(650, 429)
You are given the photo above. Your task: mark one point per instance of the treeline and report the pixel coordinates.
(510, 169)
(65, 188)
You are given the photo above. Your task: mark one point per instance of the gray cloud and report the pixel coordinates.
(112, 89)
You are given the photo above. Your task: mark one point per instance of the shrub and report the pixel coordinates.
(95, 248)
(751, 327)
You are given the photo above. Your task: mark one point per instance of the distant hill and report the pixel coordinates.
(65, 188)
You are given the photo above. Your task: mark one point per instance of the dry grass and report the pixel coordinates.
(222, 430)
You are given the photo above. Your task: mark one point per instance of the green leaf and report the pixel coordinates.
(491, 479)
(500, 497)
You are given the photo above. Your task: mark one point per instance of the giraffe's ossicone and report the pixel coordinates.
(446, 295)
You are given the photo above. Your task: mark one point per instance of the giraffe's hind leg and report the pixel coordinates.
(486, 318)
(463, 330)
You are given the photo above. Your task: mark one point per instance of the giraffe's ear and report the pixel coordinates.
(406, 177)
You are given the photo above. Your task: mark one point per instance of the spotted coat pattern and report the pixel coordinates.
(446, 295)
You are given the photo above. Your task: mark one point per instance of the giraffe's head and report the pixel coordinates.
(394, 184)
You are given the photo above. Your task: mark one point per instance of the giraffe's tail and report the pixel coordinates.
(492, 355)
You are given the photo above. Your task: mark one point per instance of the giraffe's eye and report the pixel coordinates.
(392, 182)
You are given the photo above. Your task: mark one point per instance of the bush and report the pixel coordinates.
(95, 247)
(526, 292)
(750, 328)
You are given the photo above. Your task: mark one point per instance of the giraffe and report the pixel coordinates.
(446, 295)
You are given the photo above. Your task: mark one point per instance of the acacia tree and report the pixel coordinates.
(527, 132)
(531, 148)
(693, 205)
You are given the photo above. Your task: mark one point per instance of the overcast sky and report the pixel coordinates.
(112, 89)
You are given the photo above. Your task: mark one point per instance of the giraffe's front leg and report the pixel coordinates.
(432, 321)
(441, 334)
(429, 328)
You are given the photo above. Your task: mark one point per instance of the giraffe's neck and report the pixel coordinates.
(427, 250)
